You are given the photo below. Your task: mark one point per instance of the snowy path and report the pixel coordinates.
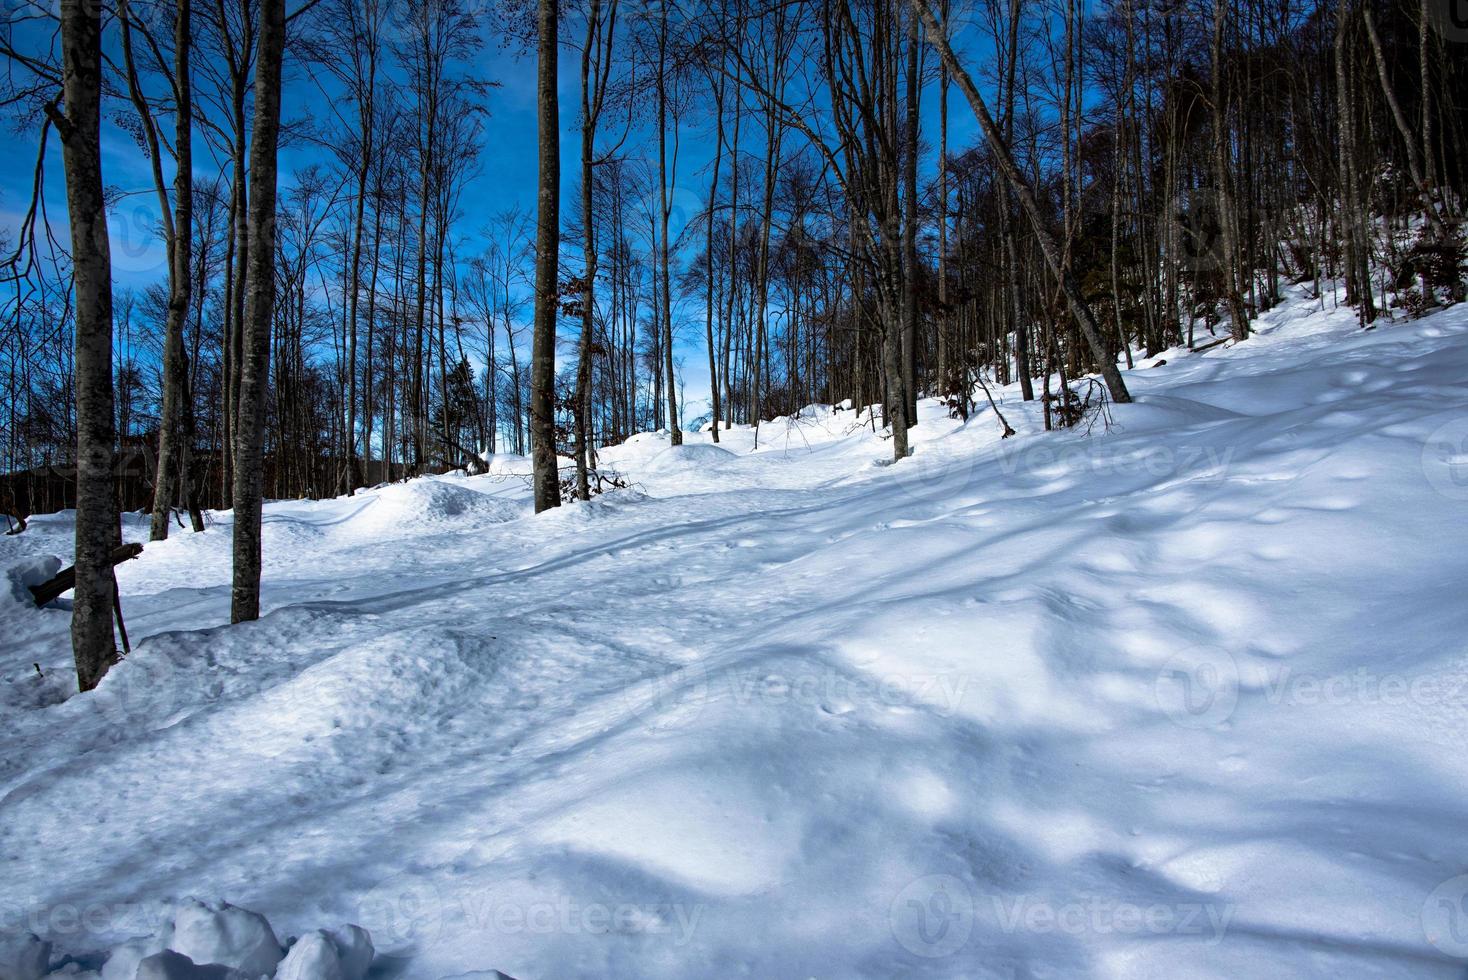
(1182, 699)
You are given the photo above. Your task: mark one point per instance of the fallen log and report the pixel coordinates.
(1211, 345)
(66, 578)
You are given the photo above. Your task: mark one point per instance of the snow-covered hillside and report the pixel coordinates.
(1185, 698)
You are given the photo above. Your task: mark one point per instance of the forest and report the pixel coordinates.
(1143, 174)
(791, 488)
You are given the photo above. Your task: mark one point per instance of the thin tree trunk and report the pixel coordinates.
(1227, 213)
(909, 226)
(714, 404)
(674, 429)
(1085, 319)
(172, 469)
(1414, 164)
(547, 266)
(259, 309)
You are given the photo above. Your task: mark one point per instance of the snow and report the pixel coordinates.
(170, 965)
(313, 957)
(233, 937)
(24, 956)
(1188, 697)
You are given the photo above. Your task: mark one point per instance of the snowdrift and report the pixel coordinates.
(1184, 697)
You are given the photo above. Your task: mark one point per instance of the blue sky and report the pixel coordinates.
(506, 173)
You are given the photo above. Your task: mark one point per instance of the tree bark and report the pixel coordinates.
(714, 406)
(92, 643)
(259, 309)
(1227, 213)
(675, 430)
(172, 456)
(547, 267)
(909, 226)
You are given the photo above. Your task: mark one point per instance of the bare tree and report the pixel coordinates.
(92, 642)
(259, 308)
(547, 264)
(1085, 319)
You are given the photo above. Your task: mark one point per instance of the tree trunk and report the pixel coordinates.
(1414, 165)
(547, 267)
(675, 430)
(96, 502)
(1227, 213)
(582, 407)
(714, 406)
(909, 226)
(172, 457)
(259, 309)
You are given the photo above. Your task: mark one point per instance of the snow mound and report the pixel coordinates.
(313, 957)
(507, 464)
(227, 935)
(678, 459)
(213, 942)
(426, 505)
(354, 950)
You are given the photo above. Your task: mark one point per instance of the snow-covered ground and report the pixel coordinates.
(1185, 698)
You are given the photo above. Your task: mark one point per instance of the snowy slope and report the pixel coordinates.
(1184, 698)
